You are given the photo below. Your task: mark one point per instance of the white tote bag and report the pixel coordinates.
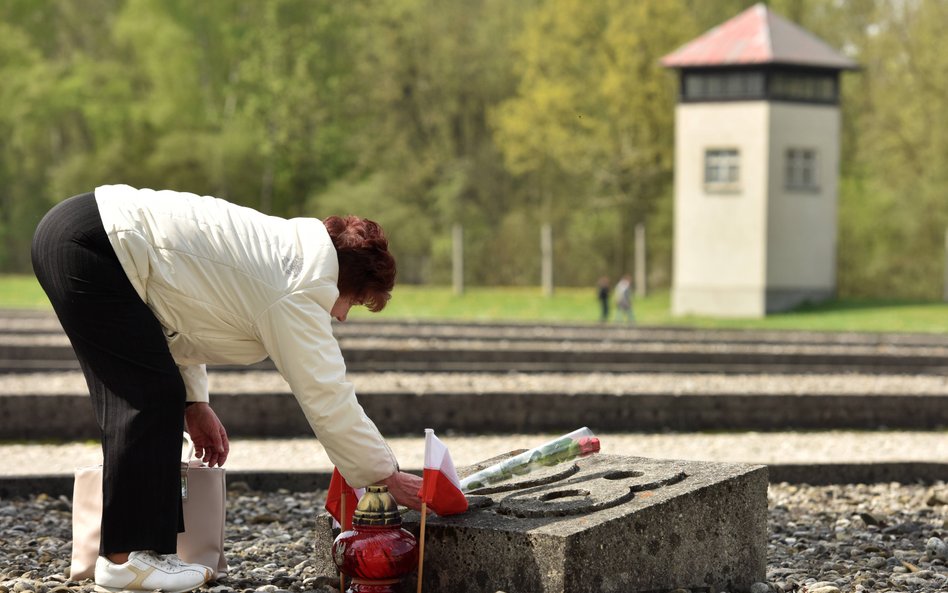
(203, 492)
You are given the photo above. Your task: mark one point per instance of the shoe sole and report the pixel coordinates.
(104, 589)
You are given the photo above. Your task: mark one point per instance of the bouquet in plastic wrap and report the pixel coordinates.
(579, 443)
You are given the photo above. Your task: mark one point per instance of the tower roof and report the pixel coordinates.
(757, 36)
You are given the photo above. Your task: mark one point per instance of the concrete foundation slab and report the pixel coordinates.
(602, 524)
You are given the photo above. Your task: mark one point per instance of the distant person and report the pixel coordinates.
(603, 294)
(623, 298)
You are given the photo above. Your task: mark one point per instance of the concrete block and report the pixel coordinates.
(603, 524)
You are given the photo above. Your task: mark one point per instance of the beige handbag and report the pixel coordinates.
(203, 493)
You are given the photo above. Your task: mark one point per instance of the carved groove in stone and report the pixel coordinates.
(584, 491)
(659, 483)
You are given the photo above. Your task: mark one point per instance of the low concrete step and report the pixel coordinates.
(298, 464)
(37, 323)
(33, 341)
(435, 355)
(55, 405)
(278, 414)
(440, 366)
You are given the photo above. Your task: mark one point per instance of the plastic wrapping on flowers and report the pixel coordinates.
(579, 443)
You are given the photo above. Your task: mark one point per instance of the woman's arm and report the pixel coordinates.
(297, 334)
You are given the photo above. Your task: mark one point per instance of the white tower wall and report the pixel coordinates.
(758, 246)
(801, 236)
(720, 243)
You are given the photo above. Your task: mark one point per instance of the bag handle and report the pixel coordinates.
(191, 458)
(188, 463)
(185, 437)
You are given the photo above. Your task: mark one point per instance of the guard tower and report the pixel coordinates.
(756, 167)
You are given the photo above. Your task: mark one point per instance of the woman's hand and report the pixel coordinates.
(207, 433)
(404, 489)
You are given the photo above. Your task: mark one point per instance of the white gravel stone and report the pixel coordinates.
(936, 548)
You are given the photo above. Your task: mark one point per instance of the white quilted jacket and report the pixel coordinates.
(232, 285)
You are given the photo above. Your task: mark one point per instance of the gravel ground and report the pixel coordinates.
(855, 538)
(832, 539)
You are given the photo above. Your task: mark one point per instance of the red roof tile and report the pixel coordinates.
(757, 36)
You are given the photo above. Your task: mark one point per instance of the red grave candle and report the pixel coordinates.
(376, 553)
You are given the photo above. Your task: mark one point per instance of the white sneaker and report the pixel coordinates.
(148, 571)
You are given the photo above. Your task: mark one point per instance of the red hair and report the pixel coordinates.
(366, 268)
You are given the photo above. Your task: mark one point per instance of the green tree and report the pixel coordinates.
(22, 72)
(428, 71)
(893, 211)
(425, 113)
(49, 63)
(591, 124)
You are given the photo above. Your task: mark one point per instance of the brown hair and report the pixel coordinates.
(366, 268)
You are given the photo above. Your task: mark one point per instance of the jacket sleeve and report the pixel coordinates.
(297, 334)
(195, 382)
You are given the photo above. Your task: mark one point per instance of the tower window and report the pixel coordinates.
(804, 86)
(768, 82)
(802, 172)
(723, 85)
(722, 169)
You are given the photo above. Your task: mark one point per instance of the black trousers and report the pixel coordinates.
(137, 392)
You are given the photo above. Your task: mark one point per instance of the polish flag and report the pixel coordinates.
(441, 488)
(338, 488)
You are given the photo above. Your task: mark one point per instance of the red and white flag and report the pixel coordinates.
(441, 488)
(339, 488)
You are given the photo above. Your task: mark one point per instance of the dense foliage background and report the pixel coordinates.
(498, 114)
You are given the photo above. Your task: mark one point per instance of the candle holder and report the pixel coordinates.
(376, 553)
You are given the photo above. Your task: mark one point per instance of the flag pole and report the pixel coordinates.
(424, 509)
(421, 545)
(342, 527)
